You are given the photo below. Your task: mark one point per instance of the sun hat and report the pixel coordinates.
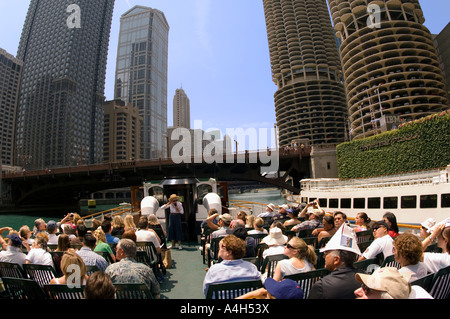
(226, 218)
(284, 289)
(428, 223)
(271, 206)
(284, 206)
(173, 197)
(387, 279)
(275, 237)
(344, 239)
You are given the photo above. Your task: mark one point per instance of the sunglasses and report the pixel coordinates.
(289, 246)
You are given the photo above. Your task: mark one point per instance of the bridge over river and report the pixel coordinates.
(62, 188)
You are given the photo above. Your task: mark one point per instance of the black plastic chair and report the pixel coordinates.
(367, 265)
(364, 236)
(389, 261)
(21, 288)
(258, 237)
(132, 291)
(433, 248)
(57, 257)
(440, 285)
(11, 270)
(91, 269)
(42, 274)
(213, 250)
(232, 290)
(311, 241)
(307, 279)
(270, 263)
(64, 292)
(424, 282)
(153, 255)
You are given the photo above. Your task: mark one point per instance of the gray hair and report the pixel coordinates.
(128, 246)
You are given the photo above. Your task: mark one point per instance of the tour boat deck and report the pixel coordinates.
(185, 279)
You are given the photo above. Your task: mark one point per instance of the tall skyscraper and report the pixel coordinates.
(141, 74)
(389, 62)
(10, 75)
(64, 48)
(181, 109)
(310, 100)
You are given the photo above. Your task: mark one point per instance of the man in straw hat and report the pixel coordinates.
(175, 228)
(340, 253)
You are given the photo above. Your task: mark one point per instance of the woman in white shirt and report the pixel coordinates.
(302, 258)
(38, 254)
(436, 261)
(175, 228)
(408, 252)
(258, 227)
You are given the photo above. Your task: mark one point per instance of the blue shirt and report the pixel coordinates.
(229, 271)
(111, 239)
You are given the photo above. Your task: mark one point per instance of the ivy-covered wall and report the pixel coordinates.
(418, 145)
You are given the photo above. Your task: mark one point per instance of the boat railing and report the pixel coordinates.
(117, 211)
(435, 176)
(251, 208)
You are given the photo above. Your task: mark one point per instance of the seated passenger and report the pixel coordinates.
(232, 268)
(383, 242)
(302, 258)
(408, 252)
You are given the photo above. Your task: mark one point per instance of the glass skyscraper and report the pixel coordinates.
(60, 114)
(141, 74)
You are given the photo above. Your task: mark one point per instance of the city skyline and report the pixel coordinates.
(210, 56)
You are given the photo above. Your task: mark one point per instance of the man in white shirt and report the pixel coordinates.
(52, 228)
(383, 243)
(146, 235)
(13, 252)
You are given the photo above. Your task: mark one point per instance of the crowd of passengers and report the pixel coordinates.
(117, 237)
(283, 230)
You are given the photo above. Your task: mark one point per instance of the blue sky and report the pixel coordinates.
(218, 52)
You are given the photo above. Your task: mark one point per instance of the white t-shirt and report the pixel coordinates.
(380, 245)
(273, 250)
(143, 235)
(52, 239)
(436, 261)
(416, 271)
(40, 256)
(287, 268)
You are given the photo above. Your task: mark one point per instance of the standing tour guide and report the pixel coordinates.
(175, 228)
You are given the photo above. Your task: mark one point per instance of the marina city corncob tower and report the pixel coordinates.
(389, 62)
(310, 100)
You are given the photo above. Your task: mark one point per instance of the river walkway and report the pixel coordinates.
(185, 279)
